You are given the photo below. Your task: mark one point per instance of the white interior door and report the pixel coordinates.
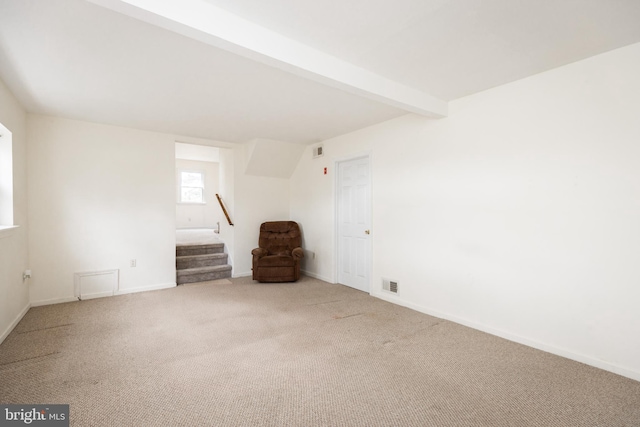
(354, 223)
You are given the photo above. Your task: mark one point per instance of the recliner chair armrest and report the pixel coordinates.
(259, 252)
(297, 253)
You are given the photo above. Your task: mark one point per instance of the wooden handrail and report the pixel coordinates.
(224, 209)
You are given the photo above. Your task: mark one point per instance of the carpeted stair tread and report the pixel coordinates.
(201, 263)
(203, 274)
(193, 261)
(201, 256)
(207, 245)
(198, 270)
(191, 249)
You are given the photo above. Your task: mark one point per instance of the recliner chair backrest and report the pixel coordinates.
(279, 237)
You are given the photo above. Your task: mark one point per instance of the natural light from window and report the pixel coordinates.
(191, 187)
(6, 180)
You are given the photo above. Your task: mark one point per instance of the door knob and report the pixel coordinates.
(367, 232)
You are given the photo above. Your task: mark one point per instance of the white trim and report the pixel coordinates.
(245, 274)
(7, 230)
(98, 295)
(229, 255)
(53, 301)
(587, 360)
(317, 276)
(118, 292)
(352, 156)
(15, 322)
(145, 288)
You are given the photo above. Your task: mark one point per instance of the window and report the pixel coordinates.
(191, 187)
(6, 182)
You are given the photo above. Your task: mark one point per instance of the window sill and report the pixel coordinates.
(7, 230)
(192, 203)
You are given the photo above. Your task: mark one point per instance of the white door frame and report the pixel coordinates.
(336, 202)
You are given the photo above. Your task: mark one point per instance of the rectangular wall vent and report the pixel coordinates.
(390, 285)
(393, 287)
(318, 151)
(96, 284)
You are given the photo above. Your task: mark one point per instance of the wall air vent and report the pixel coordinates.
(318, 151)
(96, 284)
(390, 286)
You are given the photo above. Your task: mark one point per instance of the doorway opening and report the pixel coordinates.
(201, 252)
(197, 183)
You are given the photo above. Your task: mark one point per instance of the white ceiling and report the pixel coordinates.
(75, 59)
(451, 48)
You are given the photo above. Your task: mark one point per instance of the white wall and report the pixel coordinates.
(14, 293)
(198, 215)
(312, 199)
(517, 214)
(257, 199)
(99, 196)
(201, 153)
(227, 192)
(276, 159)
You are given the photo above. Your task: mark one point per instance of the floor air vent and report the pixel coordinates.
(390, 286)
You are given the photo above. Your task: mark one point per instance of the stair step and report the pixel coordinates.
(203, 274)
(194, 261)
(211, 248)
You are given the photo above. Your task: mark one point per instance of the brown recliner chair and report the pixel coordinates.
(278, 257)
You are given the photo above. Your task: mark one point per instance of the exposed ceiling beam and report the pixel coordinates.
(207, 23)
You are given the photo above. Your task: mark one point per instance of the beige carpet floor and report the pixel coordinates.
(238, 353)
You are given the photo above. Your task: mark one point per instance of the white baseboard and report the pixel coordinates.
(245, 274)
(53, 301)
(316, 276)
(306, 273)
(587, 360)
(118, 292)
(145, 288)
(15, 322)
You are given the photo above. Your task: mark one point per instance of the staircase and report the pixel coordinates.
(201, 262)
